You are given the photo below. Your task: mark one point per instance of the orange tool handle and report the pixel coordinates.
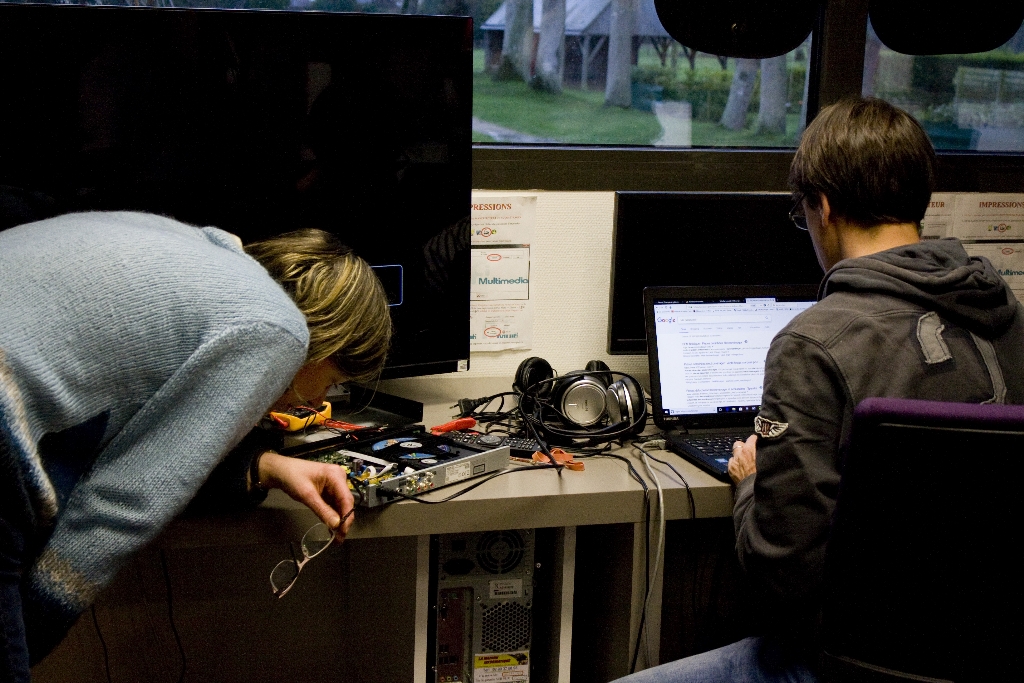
(461, 423)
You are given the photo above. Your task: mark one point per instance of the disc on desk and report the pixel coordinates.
(417, 456)
(381, 445)
(412, 444)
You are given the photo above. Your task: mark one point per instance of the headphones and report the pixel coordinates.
(596, 404)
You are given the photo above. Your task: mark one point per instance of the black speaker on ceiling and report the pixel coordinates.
(926, 27)
(750, 29)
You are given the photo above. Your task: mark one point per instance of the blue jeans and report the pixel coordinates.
(14, 661)
(751, 660)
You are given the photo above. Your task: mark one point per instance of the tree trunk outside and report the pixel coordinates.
(517, 45)
(551, 47)
(691, 57)
(742, 89)
(618, 91)
(771, 113)
(807, 89)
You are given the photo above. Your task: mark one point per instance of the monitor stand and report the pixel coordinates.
(358, 403)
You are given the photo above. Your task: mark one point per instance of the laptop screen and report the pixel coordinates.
(707, 347)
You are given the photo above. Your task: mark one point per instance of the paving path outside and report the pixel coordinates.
(674, 117)
(502, 134)
(676, 124)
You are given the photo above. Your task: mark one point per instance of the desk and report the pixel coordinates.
(378, 600)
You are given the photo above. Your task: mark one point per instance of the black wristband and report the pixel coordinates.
(254, 472)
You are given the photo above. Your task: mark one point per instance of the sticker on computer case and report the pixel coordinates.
(506, 667)
(506, 588)
(457, 472)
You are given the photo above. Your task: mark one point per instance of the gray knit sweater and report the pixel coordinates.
(135, 352)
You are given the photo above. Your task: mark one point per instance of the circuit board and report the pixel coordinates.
(401, 466)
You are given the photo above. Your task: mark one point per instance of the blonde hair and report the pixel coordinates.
(344, 303)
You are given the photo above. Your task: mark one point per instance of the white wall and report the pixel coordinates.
(570, 278)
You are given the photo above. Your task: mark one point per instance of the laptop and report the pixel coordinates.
(706, 347)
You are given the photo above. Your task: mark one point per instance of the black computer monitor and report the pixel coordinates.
(699, 238)
(258, 122)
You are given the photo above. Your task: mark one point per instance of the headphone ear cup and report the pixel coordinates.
(625, 403)
(598, 371)
(531, 371)
(578, 397)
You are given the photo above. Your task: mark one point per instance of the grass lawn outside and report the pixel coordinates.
(714, 135)
(574, 116)
(580, 116)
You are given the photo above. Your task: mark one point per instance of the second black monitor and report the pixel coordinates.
(699, 238)
(258, 122)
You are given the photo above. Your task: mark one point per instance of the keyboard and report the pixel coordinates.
(710, 453)
(717, 447)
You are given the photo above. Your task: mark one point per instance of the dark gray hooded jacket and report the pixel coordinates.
(920, 321)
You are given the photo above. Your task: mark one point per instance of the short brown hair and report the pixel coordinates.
(344, 303)
(873, 162)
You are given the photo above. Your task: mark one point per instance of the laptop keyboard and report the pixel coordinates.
(717, 447)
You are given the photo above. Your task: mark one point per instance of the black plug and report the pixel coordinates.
(468, 405)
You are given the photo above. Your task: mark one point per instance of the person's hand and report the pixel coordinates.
(320, 486)
(743, 462)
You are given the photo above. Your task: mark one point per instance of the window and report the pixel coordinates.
(964, 101)
(562, 78)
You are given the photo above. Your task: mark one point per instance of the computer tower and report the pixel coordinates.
(484, 601)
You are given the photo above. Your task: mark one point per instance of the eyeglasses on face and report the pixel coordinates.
(315, 541)
(796, 214)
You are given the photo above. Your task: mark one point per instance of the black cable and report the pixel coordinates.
(646, 543)
(693, 515)
(686, 485)
(597, 436)
(544, 447)
(103, 642)
(481, 482)
(476, 407)
(500, 411)
(647, 579)
(170, 616)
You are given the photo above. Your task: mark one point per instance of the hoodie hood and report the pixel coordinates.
(935, 274)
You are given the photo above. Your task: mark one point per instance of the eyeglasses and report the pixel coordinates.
(315, 541)
(796, 214)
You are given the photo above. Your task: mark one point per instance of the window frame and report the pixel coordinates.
(837, 49)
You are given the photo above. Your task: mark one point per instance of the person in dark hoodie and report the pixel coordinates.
(896, 317)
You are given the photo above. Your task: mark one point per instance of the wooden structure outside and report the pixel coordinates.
(587, 25)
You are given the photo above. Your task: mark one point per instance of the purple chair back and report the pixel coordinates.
(921, 575)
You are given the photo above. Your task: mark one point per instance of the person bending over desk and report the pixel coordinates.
(896, 317)
(135, 353)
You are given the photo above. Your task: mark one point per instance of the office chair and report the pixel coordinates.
(922, 580)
